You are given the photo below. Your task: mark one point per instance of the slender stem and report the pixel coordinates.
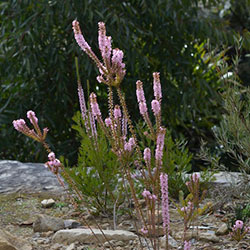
(132, 131)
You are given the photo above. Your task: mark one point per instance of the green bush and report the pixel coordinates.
(37, 71)
(97, 173)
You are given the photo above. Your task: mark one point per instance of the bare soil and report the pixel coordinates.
(18, 212)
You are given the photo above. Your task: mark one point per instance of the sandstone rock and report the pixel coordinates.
(10, 242)
(226, 178)
(127, 225)
(48, 203)
(222, 230)
(17, 176)
(171, 242)
(45, 223)
(69, 236)
(208, 236)
(69, 224)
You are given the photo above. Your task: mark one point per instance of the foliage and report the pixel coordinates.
(238, 224)
(241, 212)
(176, 163)
(190, 207)
(37, 72)
(246, 211)
(97, 174)
(176, 160)
(233, 134)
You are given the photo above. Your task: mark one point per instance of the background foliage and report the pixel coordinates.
(173, 37)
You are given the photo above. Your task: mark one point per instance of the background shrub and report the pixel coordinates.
(37, 70)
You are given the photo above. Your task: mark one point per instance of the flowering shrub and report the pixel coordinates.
(189, 208)
(239, 230)
(123, 141)
(96, 174)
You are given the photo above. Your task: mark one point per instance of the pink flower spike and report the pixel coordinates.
(161, 136)
(147, 154)
(140, 92)
(165, 205)
(157, 86)
(79, 37)
(131, 141)
(94, 105)
(156, 107)
(143, 108)
(104, 44)
(82, 102)
(127, 147)
(117, 59)
(101, 36)
(187, 245)
(117, 112)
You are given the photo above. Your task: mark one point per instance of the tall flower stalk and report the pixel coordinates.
(119, 130)
(165, 205)
(112, 71)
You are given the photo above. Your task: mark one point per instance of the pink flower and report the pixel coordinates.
(160, 145)
(54, 165)
(94, 105)
(143, 108)
(19, 125)
(158, 154)
(79, 37)
(82, 102)
(165, 206)
(32, 117)
(139, 92)
(51, 156)
(184, 209)
(154, 197)
(124, 127)
(144, 231)
(104, 43)
(112, 70)
(118, 67)
(117, 59)
(127, 147)
(108, 122)
(146, 193)
(131, 141)
(238, 224)
(196, 177)
(161, 136)
(117, 112)
(187, 245)
(157, 86)
(147, 154)
(156, 107)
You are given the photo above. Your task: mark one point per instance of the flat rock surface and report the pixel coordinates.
(16, 176)
(86, 235)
